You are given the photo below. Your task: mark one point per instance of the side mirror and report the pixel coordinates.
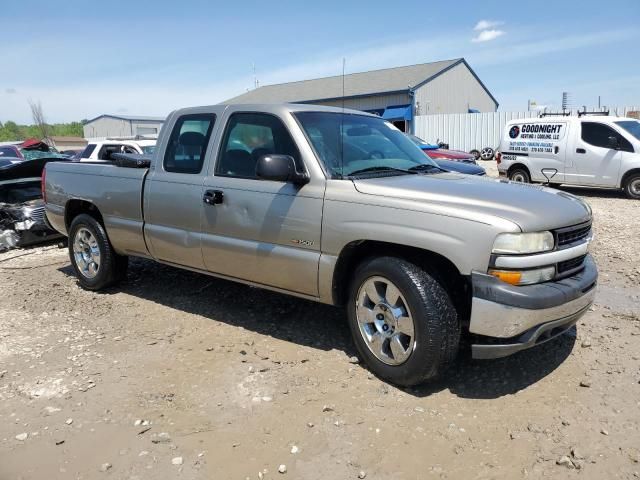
(280, 168)
(613, 143)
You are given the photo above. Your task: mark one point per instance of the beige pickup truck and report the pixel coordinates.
(340, 207)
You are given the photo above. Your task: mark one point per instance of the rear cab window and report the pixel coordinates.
(188, 143)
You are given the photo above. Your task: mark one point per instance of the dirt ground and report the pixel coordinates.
(178, 375)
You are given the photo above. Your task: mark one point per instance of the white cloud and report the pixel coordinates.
(487, 35)
(487, 24)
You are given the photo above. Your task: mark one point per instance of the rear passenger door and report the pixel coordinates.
(173, 192)
(595, 163)
(266, 232)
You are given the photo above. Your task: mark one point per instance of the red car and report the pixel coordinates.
(11, 151)
(436, 152)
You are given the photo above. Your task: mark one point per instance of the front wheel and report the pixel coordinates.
(402, 321)
(94, 261)
(475, 153)
(632, 187)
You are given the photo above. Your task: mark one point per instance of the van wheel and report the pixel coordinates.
(94, 261)
(632, 187)
(403, 322)
(519, 175)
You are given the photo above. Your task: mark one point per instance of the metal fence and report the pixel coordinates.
(469, 131)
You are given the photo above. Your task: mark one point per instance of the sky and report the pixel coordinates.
(143, 57)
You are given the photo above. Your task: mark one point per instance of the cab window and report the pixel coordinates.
(597, 134)
(188, 143)
(249, 136)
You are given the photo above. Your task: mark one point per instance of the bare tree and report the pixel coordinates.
(38, 119)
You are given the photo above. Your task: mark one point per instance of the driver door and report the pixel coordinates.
(267, 232)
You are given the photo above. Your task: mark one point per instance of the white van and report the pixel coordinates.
(593, 150)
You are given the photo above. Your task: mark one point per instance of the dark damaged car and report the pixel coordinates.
(22, 219)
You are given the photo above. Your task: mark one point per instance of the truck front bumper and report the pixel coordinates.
(506, 319)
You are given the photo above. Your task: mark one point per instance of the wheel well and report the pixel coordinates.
(441, 268)
(76, 207)
(627, 175)
(518, 166)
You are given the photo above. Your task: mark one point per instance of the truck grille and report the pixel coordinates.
(568, 235)
(37, 214)
(568, 267)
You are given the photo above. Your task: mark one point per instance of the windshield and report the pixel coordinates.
(349, 143)
(148, 149)
(631, 126)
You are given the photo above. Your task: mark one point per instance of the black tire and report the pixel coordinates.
(112, 267)
(519, 175)
(435, 321)
(475, 153)
(632, 187)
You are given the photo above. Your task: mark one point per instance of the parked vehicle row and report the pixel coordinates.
(340, 207)
(589, 150)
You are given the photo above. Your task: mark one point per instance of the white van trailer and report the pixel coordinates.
(591, 150)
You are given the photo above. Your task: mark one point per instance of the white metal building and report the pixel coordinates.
(122, 126)
(397, 94)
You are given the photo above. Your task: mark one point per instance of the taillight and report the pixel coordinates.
(498, 157)
(43, 182)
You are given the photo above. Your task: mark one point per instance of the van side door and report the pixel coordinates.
(173, 190)
(595, 162)
(539, 145)
(263, 231)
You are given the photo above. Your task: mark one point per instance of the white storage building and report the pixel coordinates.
(104, 126)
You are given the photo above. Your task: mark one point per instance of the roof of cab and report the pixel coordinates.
(269, 108)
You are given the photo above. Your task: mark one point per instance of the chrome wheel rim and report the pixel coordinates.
(86, 253)
(385, 321)
(635, 187)
(487, 153)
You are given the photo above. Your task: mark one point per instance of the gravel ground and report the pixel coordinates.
(178, 375)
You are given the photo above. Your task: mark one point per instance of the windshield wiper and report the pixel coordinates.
(379, 168)
(426, 166)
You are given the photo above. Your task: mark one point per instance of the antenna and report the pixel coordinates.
(341, 133)
(255, 78)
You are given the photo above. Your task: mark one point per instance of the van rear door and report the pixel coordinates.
(541, 145)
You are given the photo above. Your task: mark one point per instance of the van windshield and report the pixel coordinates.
(631, 126)
(350, 144)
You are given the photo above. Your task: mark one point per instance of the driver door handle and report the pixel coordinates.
(213, 197)
(580, 150)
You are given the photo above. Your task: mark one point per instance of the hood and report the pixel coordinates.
(26, 168)
(460, 167)
(531, 207)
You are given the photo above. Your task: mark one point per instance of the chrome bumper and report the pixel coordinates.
(516, 317)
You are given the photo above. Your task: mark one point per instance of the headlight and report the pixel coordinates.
(523, 242)
(524, 277)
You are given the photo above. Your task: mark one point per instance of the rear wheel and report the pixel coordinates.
(632, 187)
(519, 175)
(94, 261)
(402, 321)
(475, 153)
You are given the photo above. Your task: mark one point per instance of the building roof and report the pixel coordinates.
(134, 118)
(388, 80)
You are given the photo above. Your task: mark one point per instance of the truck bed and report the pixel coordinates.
(115, 191)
